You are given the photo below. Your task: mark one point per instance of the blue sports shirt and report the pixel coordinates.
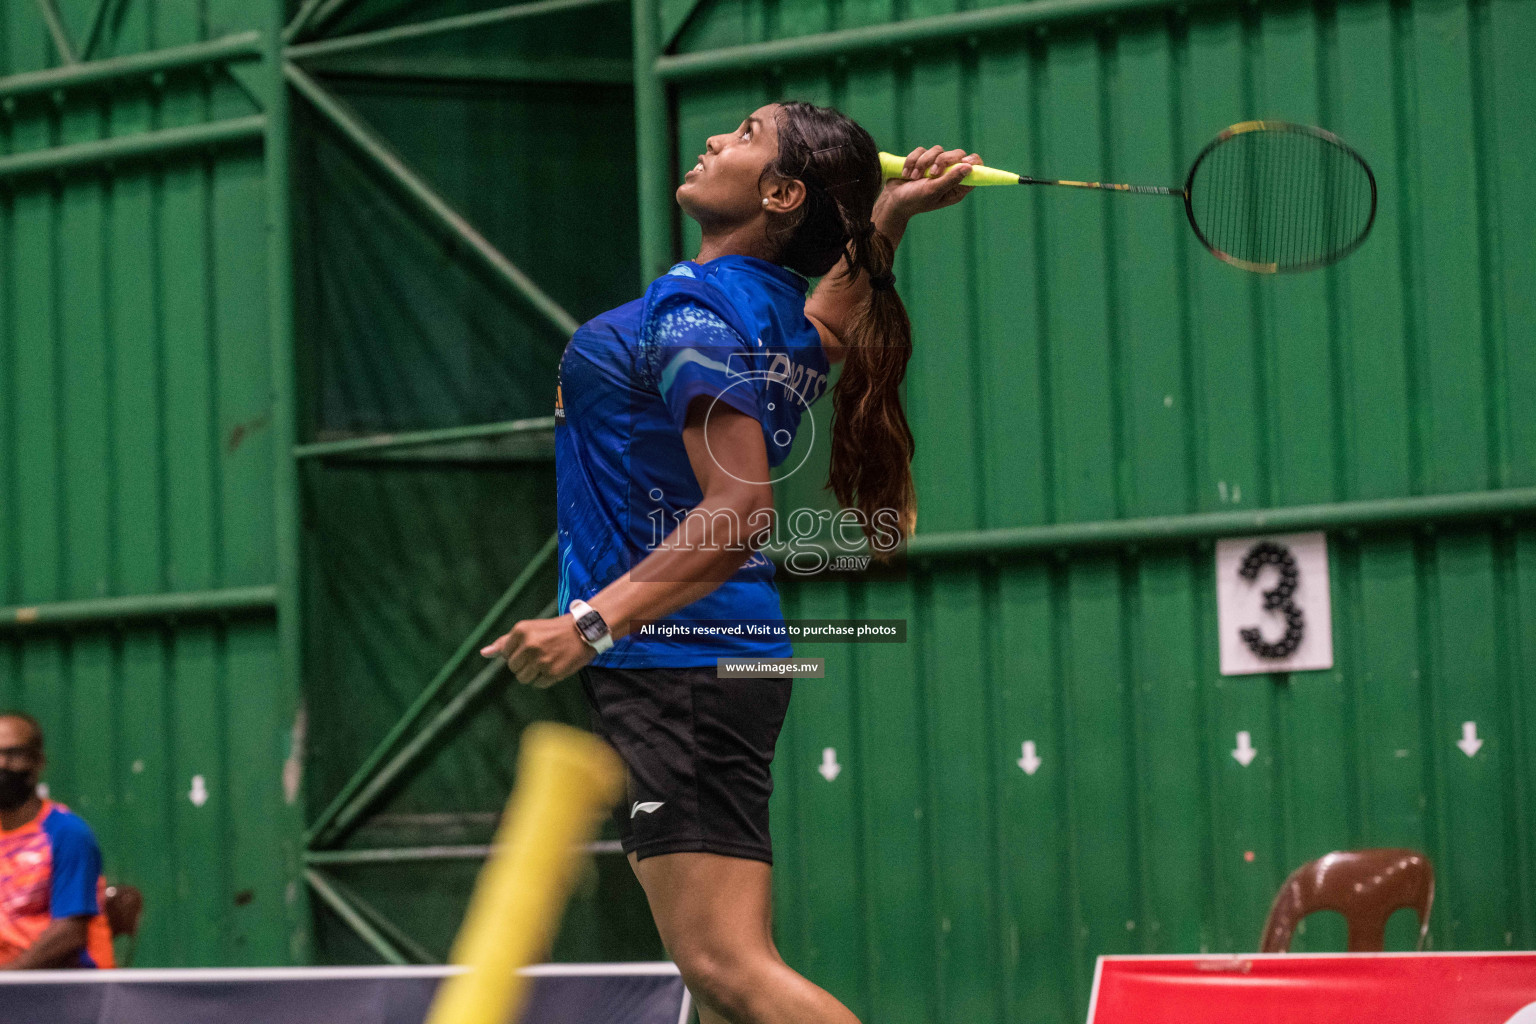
(731, 330)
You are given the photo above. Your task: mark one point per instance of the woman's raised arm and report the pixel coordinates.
(832, 306)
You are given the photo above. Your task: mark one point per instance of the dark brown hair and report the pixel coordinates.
(872, 446)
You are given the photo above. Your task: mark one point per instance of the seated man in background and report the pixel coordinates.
(51, 887)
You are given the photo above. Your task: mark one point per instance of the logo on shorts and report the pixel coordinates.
(646, 807)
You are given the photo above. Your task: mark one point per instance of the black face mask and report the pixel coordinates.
(16, 788)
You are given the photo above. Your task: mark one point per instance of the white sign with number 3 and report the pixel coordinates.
(1272, 604)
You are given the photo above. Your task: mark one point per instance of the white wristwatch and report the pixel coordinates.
(591, 626)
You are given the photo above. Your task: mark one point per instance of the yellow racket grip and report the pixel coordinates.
(891, 165)
(566, 782)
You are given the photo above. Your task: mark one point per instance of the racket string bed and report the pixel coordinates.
(1270, 196)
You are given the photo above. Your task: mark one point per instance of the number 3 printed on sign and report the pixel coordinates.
(1279, 599)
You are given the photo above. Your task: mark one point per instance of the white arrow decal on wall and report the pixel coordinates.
(1244, 754)
(829, 767)
(1030, 762)
(1469, 743)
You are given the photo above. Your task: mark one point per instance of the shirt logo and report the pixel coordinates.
(647, 807)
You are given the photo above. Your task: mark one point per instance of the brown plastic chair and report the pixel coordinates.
(124, 906)
(1366, 886)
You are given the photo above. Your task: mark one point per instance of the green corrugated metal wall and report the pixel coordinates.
(137, 458)
(1080, 359)
(399, 332)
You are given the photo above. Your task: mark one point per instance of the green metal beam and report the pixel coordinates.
(240, 46)
(653, 148)
(135, 146)
(93, 30)
(1161, 530)
(328, 11)
(397, 855)
(106, 610)
(56, 30)
(286, 498)
(410, 755)
(327, 823)
(392, 933)
(417, 854)
(509, 450)
(295, 28)
(674, 17)
(456, 23)
(375, 443)
(448, 219)
(354, 920)
(504, 69)
(408, 759)
(916, 32)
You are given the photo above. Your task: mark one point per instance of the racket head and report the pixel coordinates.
(1274, 197)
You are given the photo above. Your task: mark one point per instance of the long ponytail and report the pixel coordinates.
(872, 445)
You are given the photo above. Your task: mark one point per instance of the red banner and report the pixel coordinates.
(1299, 988)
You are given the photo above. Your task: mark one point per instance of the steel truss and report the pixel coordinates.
(277, 55)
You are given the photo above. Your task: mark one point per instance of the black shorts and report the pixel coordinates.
(697, 750)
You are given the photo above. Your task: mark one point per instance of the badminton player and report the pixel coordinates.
(672, 413)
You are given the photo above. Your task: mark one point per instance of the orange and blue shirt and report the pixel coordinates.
(50, 869)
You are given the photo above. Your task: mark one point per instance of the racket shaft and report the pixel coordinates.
(1146, 190)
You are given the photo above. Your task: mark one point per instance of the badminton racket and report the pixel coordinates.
(1265, 196)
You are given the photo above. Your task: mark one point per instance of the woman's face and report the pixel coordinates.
(725, 188)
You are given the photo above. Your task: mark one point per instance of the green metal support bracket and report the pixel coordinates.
(326, 827)
(397, 855)
(437, 26)
(326, 890)
(378, 443)
(1511, 503)
(396, 938)
(100, 18)
(285, 468)
(55, 24)
(137, 146)
(236, 47)
(653, 148)
(417, 854)
(146, 607)
(409, 755)
(328, 11)
(295, 28)
(444, 216)
(394, 933)
(675, 16)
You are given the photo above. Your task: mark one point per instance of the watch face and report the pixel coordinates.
(592, 626)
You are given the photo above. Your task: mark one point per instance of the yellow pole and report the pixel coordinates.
(566, 780)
